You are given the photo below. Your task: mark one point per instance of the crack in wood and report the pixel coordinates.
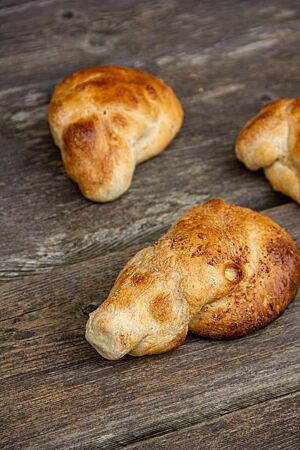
(162, 440)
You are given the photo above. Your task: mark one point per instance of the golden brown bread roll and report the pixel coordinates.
(271, 140)
(105, 120)
(221, 271)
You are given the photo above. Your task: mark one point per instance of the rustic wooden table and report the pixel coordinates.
(60, 253)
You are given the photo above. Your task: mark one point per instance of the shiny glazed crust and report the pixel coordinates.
(271, 140)
(105, 120)
(221, 271)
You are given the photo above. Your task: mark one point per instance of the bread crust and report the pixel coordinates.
(271, 140)
(107, 119)
(221, 271)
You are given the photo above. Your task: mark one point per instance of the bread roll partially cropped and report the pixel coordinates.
(271, 140)
(221, 271)
(105, 120)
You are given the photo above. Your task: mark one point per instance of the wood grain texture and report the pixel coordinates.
(223, 60)
(271, 425)
(56, 391)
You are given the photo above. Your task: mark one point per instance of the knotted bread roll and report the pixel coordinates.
(221, 271)
(271, 140)
(105, 120)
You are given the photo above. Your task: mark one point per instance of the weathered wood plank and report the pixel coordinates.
(224, 60)
(48, 33)
(60, 395)
(56, 391)
(216, 69)
(271, 425)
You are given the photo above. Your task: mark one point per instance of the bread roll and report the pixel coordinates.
(105, 120)
(221, 271)
(271, 141)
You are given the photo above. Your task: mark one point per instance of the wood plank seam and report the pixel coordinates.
(149, 441)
